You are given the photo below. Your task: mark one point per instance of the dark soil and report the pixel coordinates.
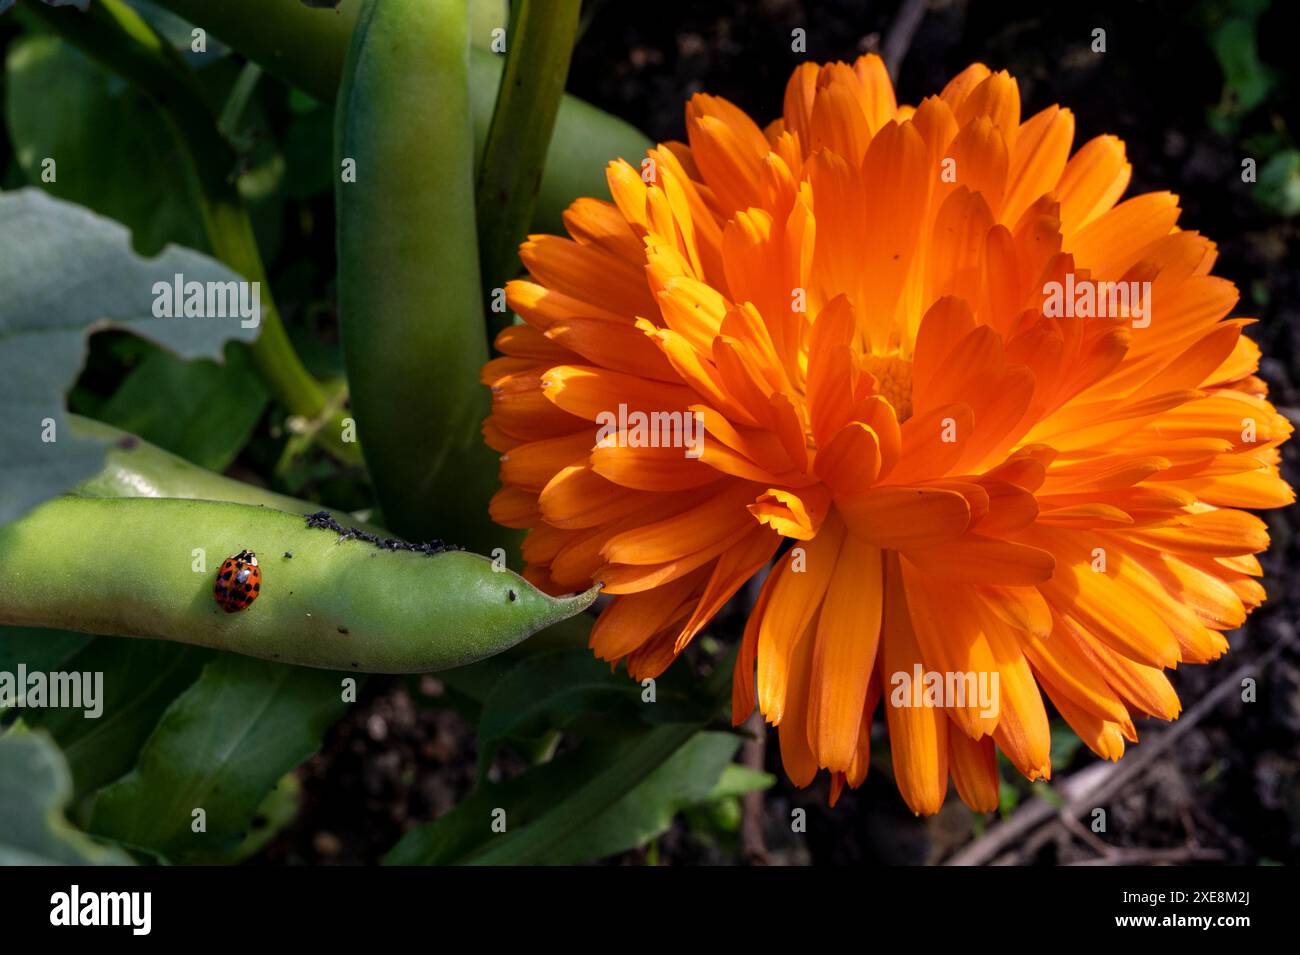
(1229, 789)
(401, 757)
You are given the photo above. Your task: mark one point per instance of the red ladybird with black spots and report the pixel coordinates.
(239, 581)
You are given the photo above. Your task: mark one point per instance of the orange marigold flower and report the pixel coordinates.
(1000, 416)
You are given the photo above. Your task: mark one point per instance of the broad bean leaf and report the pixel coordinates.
(35, 787)
(67, 272)
(86, 137)
(600, 799)
(201, 410)
(221, 747)
(547, 691)
(138, 679)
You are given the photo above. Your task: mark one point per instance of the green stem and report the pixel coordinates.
(115, 36)
(539, 44)
(233, 242)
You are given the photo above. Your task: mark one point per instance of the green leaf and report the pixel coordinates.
(201, 410)
(277, 811)
(1279, 183)
(686, 778)
(310, 135)
(65, 272)
(1064, 744)
(678, 696)
(1247, 82)
(471, 685)
(221, 747)
(176, 33)
(1047, 794)
(81, 5)
(140, 678)
(736, 780)
(1008, 798)
(39, 649)
(602, 798)
(547, 691)
(230, 120)
(34, 789)
(103, 137)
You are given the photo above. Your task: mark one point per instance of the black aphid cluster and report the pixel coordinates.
(324, 521)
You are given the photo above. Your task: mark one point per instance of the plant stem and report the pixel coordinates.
(539, 45)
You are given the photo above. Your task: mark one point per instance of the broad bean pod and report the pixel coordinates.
(137, 567)
(410, 306)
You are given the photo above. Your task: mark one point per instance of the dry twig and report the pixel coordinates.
(753, 850)
(1095, 783)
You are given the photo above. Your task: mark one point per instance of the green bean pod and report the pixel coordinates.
(135, 468)
(146, 568)
(410, 306)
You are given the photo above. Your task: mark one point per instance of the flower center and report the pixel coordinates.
(894, 375)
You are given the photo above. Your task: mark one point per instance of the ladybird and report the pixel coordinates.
(239, 581)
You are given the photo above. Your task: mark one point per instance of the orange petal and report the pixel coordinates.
(918, 735)
(796, 515)
(905, 517)
(982, 560)
(847, 635)
(799, 584)
(974, 768)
